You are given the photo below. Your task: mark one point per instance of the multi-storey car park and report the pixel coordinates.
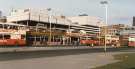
(47, 29)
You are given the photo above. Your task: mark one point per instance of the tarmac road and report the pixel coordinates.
(57, 59)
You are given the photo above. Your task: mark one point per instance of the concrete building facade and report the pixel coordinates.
(42, 20)
(89, 24)
(133, 21)
(112, 33)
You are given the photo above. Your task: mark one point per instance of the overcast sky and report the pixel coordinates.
(120, 11)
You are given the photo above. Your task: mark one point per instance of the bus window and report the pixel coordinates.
(6, 36)
(1, 36)
(15, 27)
(22, 36)
(1, 26)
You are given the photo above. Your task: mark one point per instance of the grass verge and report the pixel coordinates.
(127, 61)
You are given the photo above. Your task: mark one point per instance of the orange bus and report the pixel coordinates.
(88, 40)
(12, 34)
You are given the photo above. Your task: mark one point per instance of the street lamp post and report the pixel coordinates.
(50, 35)
(105, 3)
(69, 33)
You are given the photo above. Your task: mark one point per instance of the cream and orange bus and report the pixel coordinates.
(12, 34)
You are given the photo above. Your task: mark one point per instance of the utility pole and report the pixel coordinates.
(105, 3)
(50, 34)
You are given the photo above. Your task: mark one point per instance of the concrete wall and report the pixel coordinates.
(89, 20)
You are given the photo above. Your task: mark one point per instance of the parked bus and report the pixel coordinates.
(12, 34)
(88, 40)
(131, 40)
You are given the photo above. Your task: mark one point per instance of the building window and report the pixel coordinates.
(26, 10)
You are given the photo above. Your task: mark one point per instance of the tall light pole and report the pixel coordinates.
(50, 34)
(69, 28)
(105, 3)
